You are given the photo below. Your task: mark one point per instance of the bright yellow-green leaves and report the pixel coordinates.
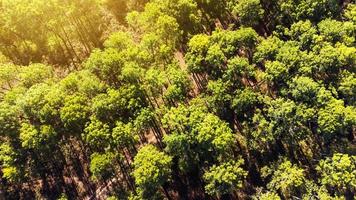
(152, 169)
(36, 137)
(97, 134)
(101, 165)
(248, 11)
(286, 177)
(214, 133)
(338, 171)
(169, 102)
(268, 196)
(210, 54)
(224, 178)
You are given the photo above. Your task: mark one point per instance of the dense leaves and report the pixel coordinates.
(177, 99)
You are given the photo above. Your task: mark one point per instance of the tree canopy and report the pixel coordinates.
(177, 99)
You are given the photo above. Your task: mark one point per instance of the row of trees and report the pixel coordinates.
(190, 99)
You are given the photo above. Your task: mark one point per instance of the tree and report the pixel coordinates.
(198, 47)
(224, 178)
(75, 112)
(304, 89)
(260, 134)
(170, 95)
(286, 177)
(237, 69)
(196, 136)
(338, 172)
(36, 137)
(218, 96)
(268, 49)
(244, 101)
(331, 119)
(152, 170)
(276, 72)
(97, 134)
(8, 75)
(268, 196)
(179, 82)
(9, 121)
(82, 82)
(34, 74)
(101, 165)
(350, 12)
(209, 54)
(347, 87)
(106, 65)
(306, 9)
(249, 11)
(136, 4)
(56, 32)
(304, 32)
(336, 31)
(41, 103)
(186, 13)
(118, 7)
(214, 135)
(123, 135)
(11, 170)
(121, 104)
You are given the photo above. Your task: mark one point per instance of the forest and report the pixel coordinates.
(177, 99)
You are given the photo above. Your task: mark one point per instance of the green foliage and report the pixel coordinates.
(123, 134)
(35, 73)
(54, 31)
(9, 122)
(63, 197)
(336, 31)
(268, 49)
(34, 100)
(194, 85)
(122, 103)
(8, 75)
(276, 72)
(152, 170)
(214, 133)
(308, 9)
(219, 97)
(338, 171)
(350, 12)
(36, 137)
(244, 101)
(304, 32)
(268, 196)
(7, 155)
(75, 111)
(209, 54)
(313, 190)
(286, 177)
(82, 82)
(249, 11)
(260, 134)
(97, 134)
(194, 128)
(101, 165)
(225, 178)
(179, 84)
(348, 87)
(107, 65)
(11, 173)
(238, 68)
(331, 119)
(304, 89)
